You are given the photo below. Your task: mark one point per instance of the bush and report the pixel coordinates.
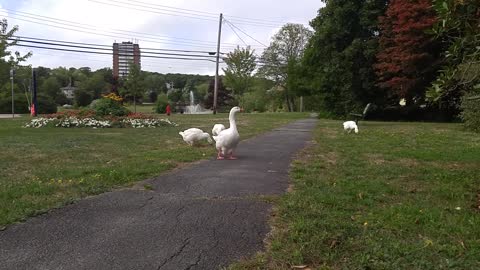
(45, 104)
(82, 98)
(161, 104)
(471, 112)
(61, 99)
(411, 113)
(20, 102)
(152, 96)
(254, 101)
(107, 106)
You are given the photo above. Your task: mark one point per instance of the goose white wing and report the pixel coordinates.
(227, 139)
(189, 132)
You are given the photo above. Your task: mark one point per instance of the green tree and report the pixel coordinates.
(155, 82)
(285, 50)
(240, 66)
(178, 80)
(82, 98)
(63, 75)
(339, 58)
(95, 85)
(202, 90)
(107, 74)
(43, 73)
(7, 40)
(50, 87)
(161, 103)
(224, 97)
(134, 85)
(458, 27)
(8, 59)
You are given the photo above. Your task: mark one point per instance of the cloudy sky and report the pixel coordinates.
(190, 25)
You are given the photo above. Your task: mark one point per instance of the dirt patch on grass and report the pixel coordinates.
(379, 159)
(408, 162)
(376, 159)
(330, 133)
(455, 165)
(330, 158)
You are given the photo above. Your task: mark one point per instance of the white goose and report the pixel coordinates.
(193, 135)
(217, 128)
(227, 139)
(350, 126)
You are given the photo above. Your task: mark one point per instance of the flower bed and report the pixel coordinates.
(82, 119)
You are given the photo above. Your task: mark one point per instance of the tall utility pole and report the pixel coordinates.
(215, 89)
(12, 73)
(34, 94)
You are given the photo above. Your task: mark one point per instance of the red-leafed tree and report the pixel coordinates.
(408, 56)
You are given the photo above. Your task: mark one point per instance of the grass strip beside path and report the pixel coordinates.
(395, 196)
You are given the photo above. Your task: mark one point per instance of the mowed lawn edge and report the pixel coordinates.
(46, 168)
(395, 196)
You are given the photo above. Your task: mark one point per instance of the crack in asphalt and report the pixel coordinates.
(199, 257)
(178, 252)
(234, 210)
(146, 202)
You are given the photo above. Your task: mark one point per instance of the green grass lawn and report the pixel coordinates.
(395, 196)
(49, 167)
(142, 108)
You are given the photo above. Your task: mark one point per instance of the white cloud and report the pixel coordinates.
(167, 32)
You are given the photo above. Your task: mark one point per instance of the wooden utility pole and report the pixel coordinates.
(34, 96)
(215, 89)
(12, 74)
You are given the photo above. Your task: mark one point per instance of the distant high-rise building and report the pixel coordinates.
(123, 54)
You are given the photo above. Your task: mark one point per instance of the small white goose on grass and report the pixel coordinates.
(350, 126)
(193, 135)
(227, 139)
(217, 128)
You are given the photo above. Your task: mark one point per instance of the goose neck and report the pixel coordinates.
(231, 118)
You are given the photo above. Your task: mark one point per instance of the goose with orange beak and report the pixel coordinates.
(226, 140)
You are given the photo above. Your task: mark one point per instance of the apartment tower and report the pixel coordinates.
(123, 54)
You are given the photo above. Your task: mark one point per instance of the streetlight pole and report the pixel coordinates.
(12, 73)
(215, 91)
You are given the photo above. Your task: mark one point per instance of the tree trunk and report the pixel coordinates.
(288, 101)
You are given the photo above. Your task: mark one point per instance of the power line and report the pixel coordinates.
(64, 23)
(106, 53)
(109, 60)
(199, 13)
(143, 36)
(105, 49)
(135, 7)
(108, 35)
(248, 35)
(113, 36)
(153, 8)
(170, 7)
(103, 45)
(229, 25)
(54, 20)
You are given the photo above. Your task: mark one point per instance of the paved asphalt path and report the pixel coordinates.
(204, 216)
